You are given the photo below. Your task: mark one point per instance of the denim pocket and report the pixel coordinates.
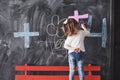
(77, 56)
(73, 54)
(80, 56)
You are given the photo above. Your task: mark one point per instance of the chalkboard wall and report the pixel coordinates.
(46, 17)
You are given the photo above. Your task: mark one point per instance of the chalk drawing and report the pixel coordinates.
(26, 34)
(77, 16)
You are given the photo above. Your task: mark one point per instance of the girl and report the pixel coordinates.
(75, 46)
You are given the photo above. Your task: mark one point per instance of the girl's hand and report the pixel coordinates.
(77, 50)
(83, 26)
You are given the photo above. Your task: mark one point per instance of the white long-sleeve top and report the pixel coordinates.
(76, 41)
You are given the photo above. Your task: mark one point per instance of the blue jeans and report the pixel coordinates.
(76, 59)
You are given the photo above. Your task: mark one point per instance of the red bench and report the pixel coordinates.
(26, 68)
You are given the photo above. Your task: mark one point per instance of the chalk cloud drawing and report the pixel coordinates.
(56, 31)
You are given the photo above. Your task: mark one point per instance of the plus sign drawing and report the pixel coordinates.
(77, 16)
(26, 34)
